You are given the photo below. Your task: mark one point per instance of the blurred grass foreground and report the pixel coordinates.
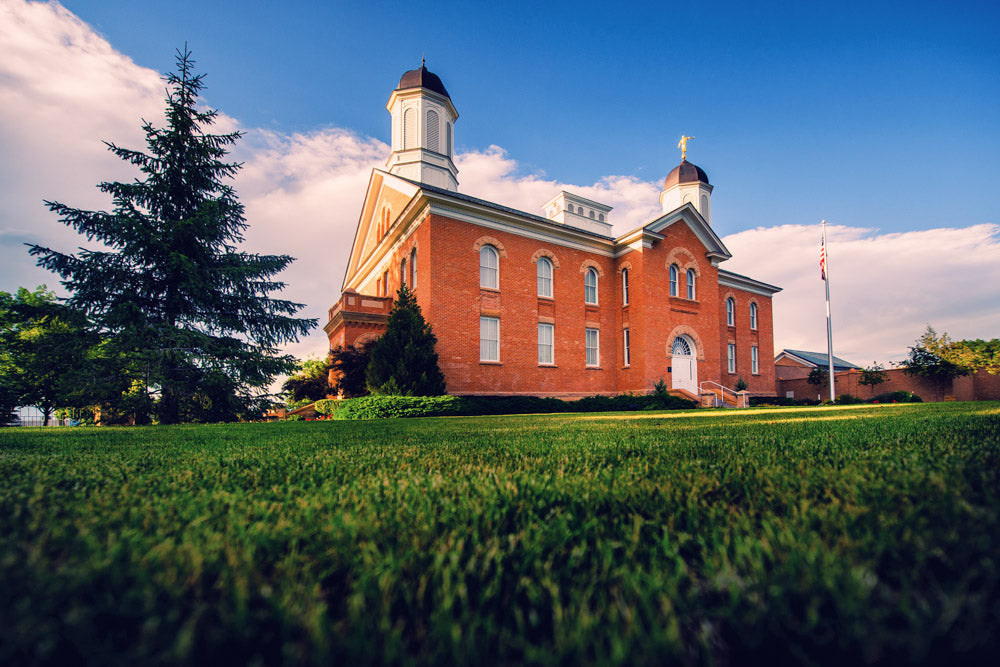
(845, 535)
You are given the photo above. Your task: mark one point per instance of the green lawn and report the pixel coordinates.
(845, 535)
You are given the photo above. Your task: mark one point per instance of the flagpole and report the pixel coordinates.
(829, 324)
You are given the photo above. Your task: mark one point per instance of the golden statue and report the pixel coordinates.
(683, 145)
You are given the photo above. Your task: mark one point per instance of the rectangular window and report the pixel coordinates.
(624, 287)
(593, 347)
(754, 361)
(545, 337)
(625, 346)
(732, 357)
(489, 339)
(385, 283)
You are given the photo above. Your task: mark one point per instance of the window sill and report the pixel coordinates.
(495, 290)
(550, 299)
(547, 366)
(490, 363)
(594, 368)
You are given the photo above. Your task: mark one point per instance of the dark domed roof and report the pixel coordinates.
(685, 172)
(423, 78)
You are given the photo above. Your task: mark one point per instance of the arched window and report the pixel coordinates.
(590, 286)
(402, 271)
(413, 269)
(591, 215)
(690, 284)
(730, 312)
(680, 347)
(489, 267)
(625, 287)
(433, 130)
(673, 280)
(601, 217)
(753, 315)
(544, 277)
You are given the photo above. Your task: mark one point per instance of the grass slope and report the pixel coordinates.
(827, 536)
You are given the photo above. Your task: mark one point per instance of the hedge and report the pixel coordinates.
(385, 407)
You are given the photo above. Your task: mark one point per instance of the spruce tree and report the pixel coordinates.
(403, 361)
(170, 288)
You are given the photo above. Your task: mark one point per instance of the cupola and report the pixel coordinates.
(687, 183)
(423, 119)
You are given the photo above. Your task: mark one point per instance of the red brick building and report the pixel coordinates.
(554, 305)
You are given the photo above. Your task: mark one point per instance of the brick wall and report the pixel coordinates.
(452, 301)
(978, 387)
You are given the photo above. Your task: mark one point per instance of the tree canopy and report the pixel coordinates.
(310, 382)
(351, 365)
(45, 350)
(974, 355)
(927, 360)
(169, 287)
(872, 376)
(403, 360)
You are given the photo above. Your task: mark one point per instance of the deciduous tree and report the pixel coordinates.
(310, 382)
(45, 350)
(872, 376)
(926, 360)
(351, 365)
(170, 288)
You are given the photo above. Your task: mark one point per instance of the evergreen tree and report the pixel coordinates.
(171, 290)
(403, 360)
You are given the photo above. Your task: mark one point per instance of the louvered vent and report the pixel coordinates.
(409, 129)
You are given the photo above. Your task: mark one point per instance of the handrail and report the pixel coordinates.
(739, 398)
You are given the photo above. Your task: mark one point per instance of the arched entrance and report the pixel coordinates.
(683, 365)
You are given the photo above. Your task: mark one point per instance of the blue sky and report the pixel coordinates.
(880, 117)
(874, 113)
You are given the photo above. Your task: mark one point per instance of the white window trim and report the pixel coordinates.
(731, 357)
(545, 261)
(754, 360)
(624, 287)
(674, 279)
(591, 272)
(551, 344)
(753, 316)
(626, 349)
(691, 279)
(596, 333)
(491, 251)
(482, 321)
(730, 312)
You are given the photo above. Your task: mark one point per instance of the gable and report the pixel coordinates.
(689, 216)
(384, 192)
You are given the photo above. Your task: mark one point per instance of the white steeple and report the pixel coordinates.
(423, 118)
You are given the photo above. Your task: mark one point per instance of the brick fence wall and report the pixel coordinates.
(978, 387)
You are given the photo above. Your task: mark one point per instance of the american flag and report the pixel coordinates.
(822, 259)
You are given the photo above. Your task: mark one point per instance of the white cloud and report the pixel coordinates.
(885, 288)
(65, 88)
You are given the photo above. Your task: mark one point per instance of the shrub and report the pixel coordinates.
(848, 399)
(897, 397)
(780, 401)
(384, 407)
(387, 407)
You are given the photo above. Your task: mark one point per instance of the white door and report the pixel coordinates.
(683, 366)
